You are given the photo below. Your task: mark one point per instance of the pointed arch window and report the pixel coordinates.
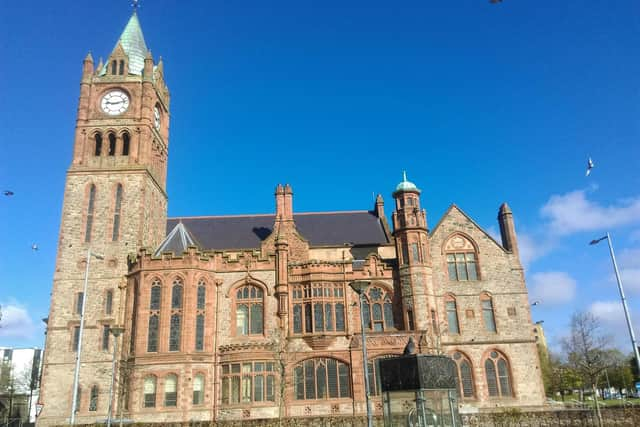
(149, 391)
(126, 141)
(249, 310)
(378, 309)
(156, 293)
(462, 259)
(121, 67)
(321, 378)
(98, 146)
(497, 373)
(201, 297)
(152, 338)
(171, 390)
(116, 214)
(488, 314)
(465, 375)
(114, 67)
(90, 211)
(452, 314)
(176, 315)
(93, 399)
(112, 144)
(176, 295)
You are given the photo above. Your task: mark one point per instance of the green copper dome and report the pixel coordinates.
(406, 185)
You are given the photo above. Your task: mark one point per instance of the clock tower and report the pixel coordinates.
(114, 203)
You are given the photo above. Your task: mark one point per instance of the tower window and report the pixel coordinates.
(98, 147)
(152, 338)
(121, 70)
(105, 337)
(90, 209)
(125, 144)
(174, 333)
(112, 144)
(93, 399)
(114, 67)
(116, 214)
(108, 302)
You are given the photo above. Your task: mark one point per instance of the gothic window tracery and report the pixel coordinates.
(249, 310)
(321, 378)
(318, 307)
(497, 374)
(378, 309)
(465, 375)
(462, 259)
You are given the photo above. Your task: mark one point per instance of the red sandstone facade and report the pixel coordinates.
(252, 316)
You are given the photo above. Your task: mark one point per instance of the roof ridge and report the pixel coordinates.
(179, 218)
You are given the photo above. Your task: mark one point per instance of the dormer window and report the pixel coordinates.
(114, 67)
(121, 69)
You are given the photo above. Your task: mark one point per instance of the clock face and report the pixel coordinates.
(156, 117)
(115, 102)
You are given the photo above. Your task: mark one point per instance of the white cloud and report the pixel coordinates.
(634, 236)
(552, 287)
(16, 322)
(532, 248)
(613, 322)
(572, 212)
(629, 265)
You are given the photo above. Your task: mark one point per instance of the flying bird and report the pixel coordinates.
(7, 193)
(495, 1)
(590, 166)
(34, 247)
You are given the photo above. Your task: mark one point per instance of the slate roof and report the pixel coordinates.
(132, 41)
(248, 231)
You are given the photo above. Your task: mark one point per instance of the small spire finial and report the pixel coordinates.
(404, 176)
(135, 5)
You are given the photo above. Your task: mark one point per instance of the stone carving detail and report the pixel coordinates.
(459, 243)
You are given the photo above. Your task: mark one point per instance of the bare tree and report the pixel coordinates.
(586, 348)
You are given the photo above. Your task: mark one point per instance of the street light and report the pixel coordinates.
(115, 331)
(360, 287)
(622, 297)
(76, 375)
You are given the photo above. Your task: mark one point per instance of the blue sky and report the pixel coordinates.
(480, 103)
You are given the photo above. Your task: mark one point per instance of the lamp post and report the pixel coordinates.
(622, 297)
(115, 331)
(76, 375)
(360, 287)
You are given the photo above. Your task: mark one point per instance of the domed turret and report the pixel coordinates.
(405, 185)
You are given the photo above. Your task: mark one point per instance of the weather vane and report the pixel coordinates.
(135, 4)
